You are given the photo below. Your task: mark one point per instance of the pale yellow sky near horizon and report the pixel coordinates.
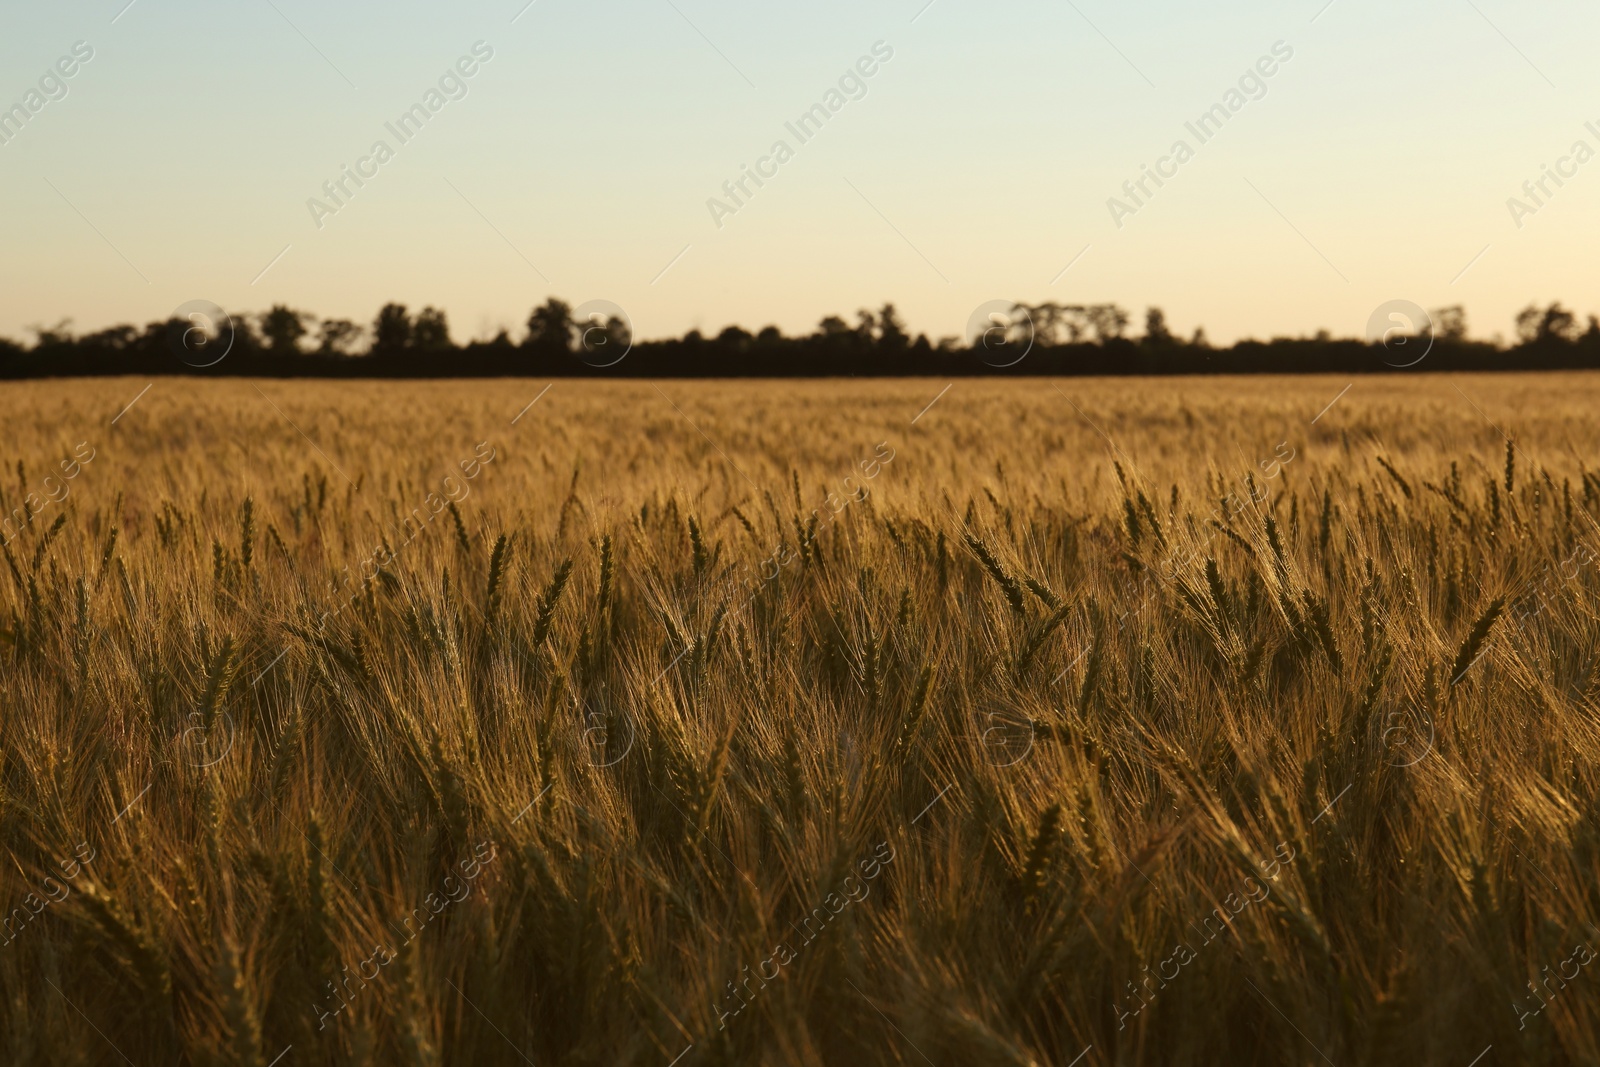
(978, 160)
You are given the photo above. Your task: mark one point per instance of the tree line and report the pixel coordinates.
(1022, 339)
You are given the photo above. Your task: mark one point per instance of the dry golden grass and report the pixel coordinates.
(1084, 722)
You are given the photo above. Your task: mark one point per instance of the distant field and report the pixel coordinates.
(1247, 721)
(630, 440)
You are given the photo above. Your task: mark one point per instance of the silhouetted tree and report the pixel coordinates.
(892, 337)
(866, 331)
(1155, 327)
(115, 339)
(1072, 324)
(1055, 324)
(1107, 320)
(1554, 324)
(735, 338)
(832, 327)
(1070, 339)
(245, 338)
(431, 331)
(49, 336)
(550, 328)
(1528, 323)
(391, 330)
(337, 337)
(1450, 324)
(283, 327)
(1558, 322)
(603, 340)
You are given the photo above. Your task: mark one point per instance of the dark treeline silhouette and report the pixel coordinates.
(1043, 339)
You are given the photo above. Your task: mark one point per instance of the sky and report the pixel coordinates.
(979, 162)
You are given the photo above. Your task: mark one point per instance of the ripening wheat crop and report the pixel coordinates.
(1090, 722)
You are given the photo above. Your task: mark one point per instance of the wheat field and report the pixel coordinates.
(1090, 722)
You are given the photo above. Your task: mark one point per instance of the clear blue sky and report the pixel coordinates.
(1376, 166)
